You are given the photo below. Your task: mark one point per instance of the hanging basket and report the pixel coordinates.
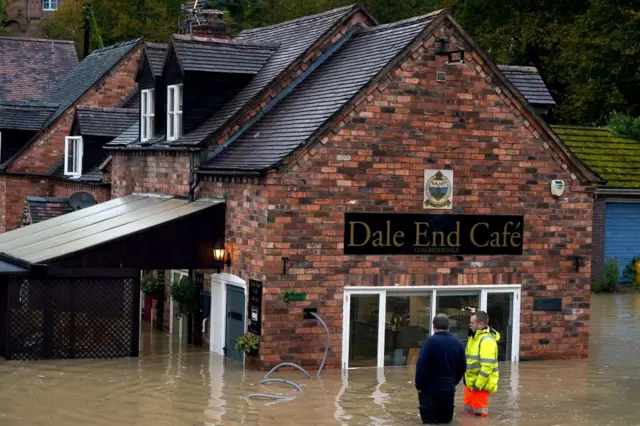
(293, 296)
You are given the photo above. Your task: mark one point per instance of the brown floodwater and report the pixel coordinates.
(171, 384)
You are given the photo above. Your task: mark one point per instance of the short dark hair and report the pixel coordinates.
(441, 322)
(482, 316)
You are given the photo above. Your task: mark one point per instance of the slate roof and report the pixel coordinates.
(31, 68)
(295, 37)
(87, 73)
(43, 208)
(25, 115)
(612, 157)
(156, 53)
(528, 81)
(94, 176)
(319, 97)
(221, 56)
(128, 137)
(107, 122)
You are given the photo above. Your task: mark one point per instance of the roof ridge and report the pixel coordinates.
(37, 40)
(156, 45)
(226, 42)
(302, 18)
(107, 109)
(570, 126)
(117, 45)
(518, 67)
(402, 23)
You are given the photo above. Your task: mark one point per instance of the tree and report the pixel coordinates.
(3, 16)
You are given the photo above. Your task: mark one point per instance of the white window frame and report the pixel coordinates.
(147, 114)
(432, 291)
(174, 111)
(49, 5)
(77, 160)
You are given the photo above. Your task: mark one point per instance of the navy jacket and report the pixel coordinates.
(441, 363)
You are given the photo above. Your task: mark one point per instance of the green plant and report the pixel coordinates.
(291, 294)
(609, 279)
(249, 344)
(150, 285)
(185, 294)
(624, 125)
(629, 272)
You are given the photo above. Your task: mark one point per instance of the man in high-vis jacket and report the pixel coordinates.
(481, 377)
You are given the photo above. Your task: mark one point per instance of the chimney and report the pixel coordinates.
(206, 23)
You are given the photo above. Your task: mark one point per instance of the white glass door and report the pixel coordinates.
(386, 326)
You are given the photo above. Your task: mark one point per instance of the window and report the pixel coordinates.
(49, 4)
(73, 156)
(174, 112)
(147, 114)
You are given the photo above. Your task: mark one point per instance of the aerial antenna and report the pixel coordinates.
(196, 13)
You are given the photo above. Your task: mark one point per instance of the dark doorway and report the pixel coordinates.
(235, 320)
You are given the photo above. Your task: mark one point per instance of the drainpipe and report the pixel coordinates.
(193, 176)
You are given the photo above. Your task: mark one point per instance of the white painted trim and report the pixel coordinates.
(621, 201)
(382, 326)
(515, 289)
(76, 159)
(219, 325)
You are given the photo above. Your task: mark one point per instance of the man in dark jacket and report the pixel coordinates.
(441, 365)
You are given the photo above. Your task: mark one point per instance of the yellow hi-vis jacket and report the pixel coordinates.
(482, 360)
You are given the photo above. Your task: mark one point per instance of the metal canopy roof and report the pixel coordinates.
(101, 224)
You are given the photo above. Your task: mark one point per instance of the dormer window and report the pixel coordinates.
(73, 156)
(174, 112)
(147, 114)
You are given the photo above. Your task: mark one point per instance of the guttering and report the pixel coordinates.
(145, 148)
(284, 93)
(618, 191)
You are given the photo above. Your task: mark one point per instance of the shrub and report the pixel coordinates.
(185, 294)
(609, 279)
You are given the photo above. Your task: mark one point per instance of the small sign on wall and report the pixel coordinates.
(438, 189)
(254, 323)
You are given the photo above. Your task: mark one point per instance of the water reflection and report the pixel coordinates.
(174, 384)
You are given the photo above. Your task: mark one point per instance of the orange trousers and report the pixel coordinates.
(476, 402)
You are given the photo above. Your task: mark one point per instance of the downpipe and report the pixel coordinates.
(297, 387)
(194, 179)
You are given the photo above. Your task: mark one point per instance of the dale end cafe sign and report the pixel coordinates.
(399, 233)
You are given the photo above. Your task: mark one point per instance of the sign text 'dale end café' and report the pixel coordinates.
(400, 233)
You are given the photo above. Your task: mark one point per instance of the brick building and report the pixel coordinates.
(24, 16)
(383, 172)
(68, 118)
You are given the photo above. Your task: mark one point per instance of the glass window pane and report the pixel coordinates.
(406, 328)
(151, 122)
(143, 103)
(500, 311)
(143, 128)
(171, 125)
(459, 306)
(69, 158)
(363, 330)
(178, 125)
(180, 98)
(170, 101)
(151, 102)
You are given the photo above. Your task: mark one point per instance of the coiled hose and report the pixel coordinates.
(267, 380)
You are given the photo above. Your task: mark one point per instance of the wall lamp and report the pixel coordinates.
(219, 256)
(455, 56)
(579, 262)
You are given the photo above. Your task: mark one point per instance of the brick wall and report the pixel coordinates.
(16, 190)
(47, 150)
(65, 189)
(501, 166)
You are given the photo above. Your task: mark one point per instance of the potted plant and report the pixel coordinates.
(248, 344)
(150, 286)
(291, 295)
(185, 294)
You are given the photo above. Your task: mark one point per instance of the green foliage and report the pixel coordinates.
(610, 278)
(625, 126)
(629, 272)
(248, 344)
(150, 285)
(3, 16)
(185, 294)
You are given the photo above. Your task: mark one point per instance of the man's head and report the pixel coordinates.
(441, 323)
(479, 321)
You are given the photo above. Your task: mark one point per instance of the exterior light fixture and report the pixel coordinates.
(579, 262)
(218, 254)
(287, 264)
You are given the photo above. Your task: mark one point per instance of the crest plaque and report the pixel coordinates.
(438, 189)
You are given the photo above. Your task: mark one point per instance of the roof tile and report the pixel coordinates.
(528, 81)
(156, 53)
(31, 69)
(25, 115)
(612, 157)
(107, 122)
